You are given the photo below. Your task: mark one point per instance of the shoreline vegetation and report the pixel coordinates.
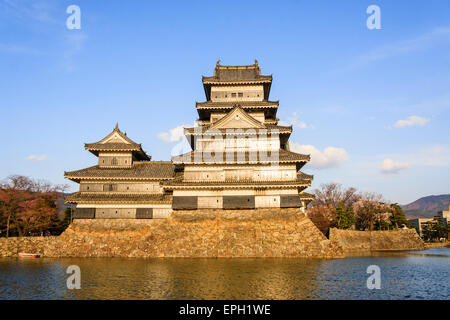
(29, 208)
(349, 209)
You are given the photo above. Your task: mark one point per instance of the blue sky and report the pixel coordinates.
(371, 106)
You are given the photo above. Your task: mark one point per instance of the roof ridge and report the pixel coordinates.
(153, 162)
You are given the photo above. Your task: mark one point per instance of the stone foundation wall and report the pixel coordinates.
(367, 241)
(10, 247)
(199, 233)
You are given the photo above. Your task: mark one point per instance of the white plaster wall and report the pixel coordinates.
(124, 206)
(210, 202)
(161, 213)
(234, 192)
(111, 213)
(225, 93)
(135, 187)
(267, 201)
(240, 173)
(231, 141)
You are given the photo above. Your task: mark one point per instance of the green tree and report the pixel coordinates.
(63, 224)
(428, 231)
(67, 218)
(398, 216)
(345, 217)
(350, 217)
(435, 229)
(440, 227)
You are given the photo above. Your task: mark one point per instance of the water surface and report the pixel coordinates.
(406, 275)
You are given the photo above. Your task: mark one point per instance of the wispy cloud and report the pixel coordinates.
(44, 17)
(420, 42)
(431, 156)
(434, 156)
(390, 166)
(294, 121)
(411, 121)
(34, 157)
(174, 135)
(18, 49)
(331, 157)
(27, 11)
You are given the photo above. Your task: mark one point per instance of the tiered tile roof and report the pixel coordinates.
(143, 170)
(127, 145)
(199, 157)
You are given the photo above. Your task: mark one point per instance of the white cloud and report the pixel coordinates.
(175, 134)
(431, 156)
(411, 121)
(331, 157)
(295, 122)
(34, 157)
(390, 166)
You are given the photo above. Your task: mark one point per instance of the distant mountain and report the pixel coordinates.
(426, 207)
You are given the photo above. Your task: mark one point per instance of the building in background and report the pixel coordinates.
(420, 223)
(445, 214)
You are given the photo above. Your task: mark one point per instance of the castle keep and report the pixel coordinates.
(240, 160)
(238, 193)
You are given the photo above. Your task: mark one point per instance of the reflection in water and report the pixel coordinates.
(404, 276)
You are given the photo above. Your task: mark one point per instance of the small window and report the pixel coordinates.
(87, 188)
(240, 94)
(110, 187)
(233, 95)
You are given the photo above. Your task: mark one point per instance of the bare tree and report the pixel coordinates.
(372, 211)
(329, 195)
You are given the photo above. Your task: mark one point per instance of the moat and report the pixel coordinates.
(404, 275)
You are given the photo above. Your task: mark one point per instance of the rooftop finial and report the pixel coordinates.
(117, 126)
(218, 63)
(256, 62)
